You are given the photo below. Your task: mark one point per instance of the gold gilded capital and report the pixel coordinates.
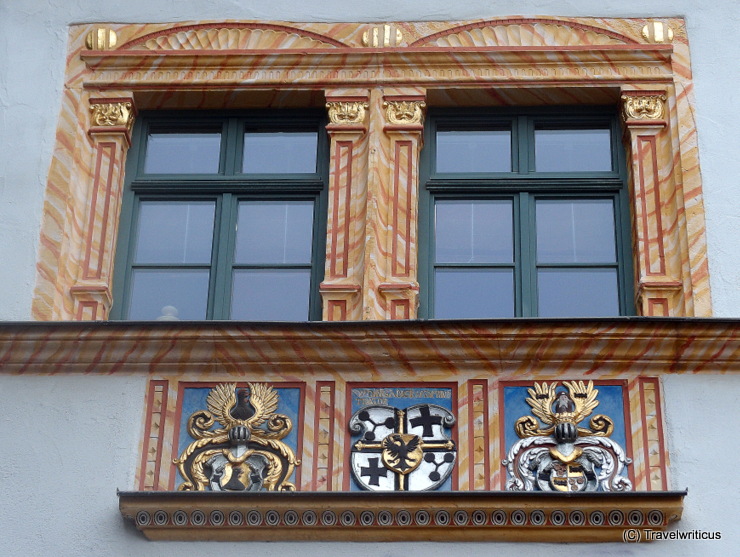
(643, 107)
(109, 114)
(347, 112)
(404, 112)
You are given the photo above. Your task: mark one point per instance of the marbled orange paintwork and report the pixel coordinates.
(476, 357)
(371, 246)
(372, 222)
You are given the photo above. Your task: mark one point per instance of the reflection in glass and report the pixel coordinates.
(474, 231)
(577, 292)
(274, 232)
(574, 150)
(183, 153)
(575, 231)
(270, 294)
(280, 152)
(473, 293)
(154, 290)
(174, 232)
(474, 151)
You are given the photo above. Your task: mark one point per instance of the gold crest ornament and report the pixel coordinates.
(244, 454)
(561, 455)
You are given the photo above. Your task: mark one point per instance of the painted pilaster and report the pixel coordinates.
(111, 120)
(345, 245)
(657, 249)
(391, 285)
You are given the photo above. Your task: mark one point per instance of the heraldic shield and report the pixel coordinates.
(402, 450)
(247, 452)
(557, 453)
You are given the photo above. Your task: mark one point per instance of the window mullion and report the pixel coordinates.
(524, 145)
(234, 144)
(223, 250)
(527, 256)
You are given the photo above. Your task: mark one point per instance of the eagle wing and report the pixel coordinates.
(264, 400)
(220, 401)
(541, 399)
(584, 398)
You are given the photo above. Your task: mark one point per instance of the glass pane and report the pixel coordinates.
(183, 153)
(169, 294)
(280, 152)
(270, 294)
(572, 150)
(274, 232)
(575, 231)
(174, 232)
(577, 292)
(474, 231)
(473, 293)
(474, 151)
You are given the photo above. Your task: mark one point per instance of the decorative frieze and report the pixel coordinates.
(408, 516)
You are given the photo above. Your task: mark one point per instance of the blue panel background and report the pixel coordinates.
(610, 400)
(194, 399)
(359, 402)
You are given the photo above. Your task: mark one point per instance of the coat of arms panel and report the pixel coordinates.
(567, 436)
(401, 438)
(235, 437)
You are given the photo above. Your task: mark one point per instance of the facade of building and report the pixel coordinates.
(278, 276)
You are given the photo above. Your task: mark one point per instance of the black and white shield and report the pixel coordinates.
(402, 449)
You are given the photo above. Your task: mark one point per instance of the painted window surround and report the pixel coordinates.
(376, 81)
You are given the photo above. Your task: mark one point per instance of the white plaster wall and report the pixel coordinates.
(69, 442)
(33, 45)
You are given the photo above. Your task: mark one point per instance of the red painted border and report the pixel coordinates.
(399, 145)
(111, 147)
(661, 439)
(348, 148)
(337, 304)
(404, 306)
(658, 307)
(147, 432)
(317, 421)
(648, 144)
(486, 434)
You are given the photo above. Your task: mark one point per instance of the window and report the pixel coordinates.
(222, 217)
(524, 214)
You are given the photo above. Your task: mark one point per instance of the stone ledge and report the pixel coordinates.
(393, 516)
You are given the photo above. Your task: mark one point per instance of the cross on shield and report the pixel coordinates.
(402, 449)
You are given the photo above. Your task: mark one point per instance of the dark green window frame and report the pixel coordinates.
(225, 188)
(522, 187)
